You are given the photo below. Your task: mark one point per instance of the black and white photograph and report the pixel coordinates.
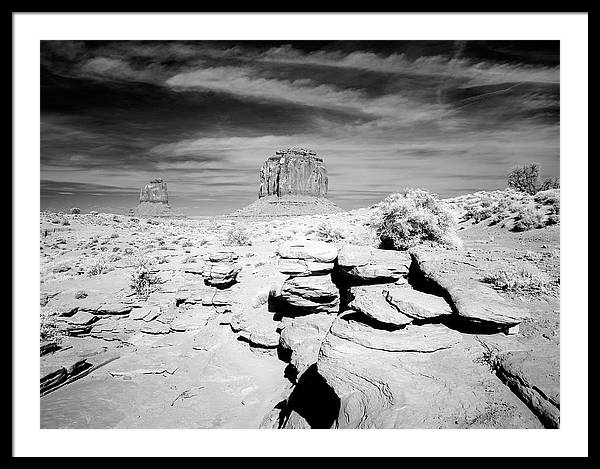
(282, 233)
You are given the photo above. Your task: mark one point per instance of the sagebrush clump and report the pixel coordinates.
(327, 231)
(238, 236)
(143, 277)
(412, 217)
(521, 278)
(97, 266)
(527, 218)
(49, 331)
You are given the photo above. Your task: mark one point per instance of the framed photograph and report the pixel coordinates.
(246, 229)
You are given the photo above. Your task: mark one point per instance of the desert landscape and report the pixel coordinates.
(292, 313)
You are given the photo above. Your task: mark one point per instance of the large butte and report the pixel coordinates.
(291, 182)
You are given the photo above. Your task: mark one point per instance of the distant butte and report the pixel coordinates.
(154, 201)
(155, 191)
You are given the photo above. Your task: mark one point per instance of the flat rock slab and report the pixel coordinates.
(318, 251)
(299, 267)
(456, 280)
(208, 337)
(379, 383)
(416, 304)
(82, 318)
(156, 327)
(369, 264)
(194, 293)
(114, 308)
(146, 313)
(424, 339)
(370, 301)
(257, 326)
(222, 256)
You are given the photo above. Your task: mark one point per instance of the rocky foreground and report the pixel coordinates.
(293, 323)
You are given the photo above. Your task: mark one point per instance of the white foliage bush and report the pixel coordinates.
(414, 216)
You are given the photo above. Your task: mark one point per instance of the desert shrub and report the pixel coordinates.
(521, 278)
(489, 356)
(327, 231)
(261, 298)
(478, 213)
(550, 183)
(525, 178)
(143, 278)
(97, 265)
(49, 331)
(411, 217)
(238, 236)
(502, 205)
(551, 198)
(552, 219)
(527, 218)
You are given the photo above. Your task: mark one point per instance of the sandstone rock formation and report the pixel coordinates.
(315, 293)
(472, 300)
(294, 171)
(292, 182)
(309, 287)
(154, 201)
(363, 264)
(317, 251)
(221, 270)
(155, 191)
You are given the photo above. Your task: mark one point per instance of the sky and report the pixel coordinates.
(451, 117)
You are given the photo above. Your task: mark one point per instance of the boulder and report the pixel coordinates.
(256, 326)
(293, 171)
(370, 301)
(415, 304)
(315, 294)
(221, 270)
(317, 251)
(458, 283)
